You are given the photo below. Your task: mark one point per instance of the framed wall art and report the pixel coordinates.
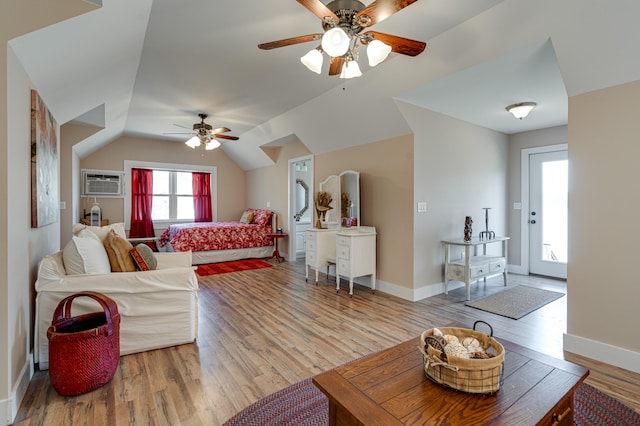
(44, 164)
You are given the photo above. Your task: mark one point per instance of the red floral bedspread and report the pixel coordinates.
(205, 236)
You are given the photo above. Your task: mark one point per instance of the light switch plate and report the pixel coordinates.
(517, 206)
(422, 207)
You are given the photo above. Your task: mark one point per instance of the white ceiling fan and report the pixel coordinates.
(205, 134)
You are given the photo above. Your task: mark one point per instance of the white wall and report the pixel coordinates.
(459, 168)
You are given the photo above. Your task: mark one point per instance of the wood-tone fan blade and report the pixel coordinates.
(221, 130)
(319, 9)
(380, 10)
(336, 65)
(400, 44)
(290, 41)
(231, 138)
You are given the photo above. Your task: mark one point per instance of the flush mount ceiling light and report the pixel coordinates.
(521, 110)
(344, 23)
(205, 134)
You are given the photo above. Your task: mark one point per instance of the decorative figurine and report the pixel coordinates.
(468, 222)
(487, 234)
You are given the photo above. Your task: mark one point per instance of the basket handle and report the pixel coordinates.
(63, 310)
(435, 342)
(487, 324)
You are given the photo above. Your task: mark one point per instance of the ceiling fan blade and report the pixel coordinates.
(401, 45)
(336, 65)
(380, 10)
(178, 125)
(319, 9)
(179, 133)
(289, 41)
(231, 138)
(221, 130)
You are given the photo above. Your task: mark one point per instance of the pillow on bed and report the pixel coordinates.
(261, 217)
(247, 216)
(144, 257)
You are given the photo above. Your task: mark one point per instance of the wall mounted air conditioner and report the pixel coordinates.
(102, 183)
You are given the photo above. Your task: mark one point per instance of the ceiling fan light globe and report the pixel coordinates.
(335, 42)
(313, 61)
(193, 142)
(377, 52)
(212, 144)
(350, 69)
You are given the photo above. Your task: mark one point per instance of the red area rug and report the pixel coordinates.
(304, 404)
(232, 266)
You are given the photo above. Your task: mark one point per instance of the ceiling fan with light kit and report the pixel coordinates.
(205, 134)
(345, 23)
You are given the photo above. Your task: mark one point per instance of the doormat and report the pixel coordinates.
(516, 302)
(232, 266)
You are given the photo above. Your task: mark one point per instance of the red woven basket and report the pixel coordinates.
(84, 351)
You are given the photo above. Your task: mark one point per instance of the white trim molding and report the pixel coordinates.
(9, 407)
(603, 352)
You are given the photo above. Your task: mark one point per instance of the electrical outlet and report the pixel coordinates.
(63, 205)
(268, 204)
(422, 207)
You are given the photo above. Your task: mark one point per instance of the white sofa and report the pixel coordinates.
(157, 308)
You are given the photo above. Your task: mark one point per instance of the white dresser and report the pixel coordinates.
(320, 249)
(356, 255)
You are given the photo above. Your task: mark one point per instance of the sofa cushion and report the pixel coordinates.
(85, 254)
(144, 257)
(118, 250)
(101, 231)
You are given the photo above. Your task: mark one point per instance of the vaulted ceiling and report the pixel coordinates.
(141, 67)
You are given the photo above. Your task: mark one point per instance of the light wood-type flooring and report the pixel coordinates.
(262, 330)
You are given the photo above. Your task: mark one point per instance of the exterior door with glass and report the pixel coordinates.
(549, 175)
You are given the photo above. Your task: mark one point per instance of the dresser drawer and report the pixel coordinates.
(343, 241)
(479, 270)
(311, 236)
(497, 266)
(343, 252)
(456, 272)
(311, 257)
(344, 267)
(561, 414)
(311, 244)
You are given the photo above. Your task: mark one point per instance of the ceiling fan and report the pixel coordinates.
(204, 133)
(344, 23)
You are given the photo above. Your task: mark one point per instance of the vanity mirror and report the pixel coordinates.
(345, 193)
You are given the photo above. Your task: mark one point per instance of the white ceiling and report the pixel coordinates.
(151, 64)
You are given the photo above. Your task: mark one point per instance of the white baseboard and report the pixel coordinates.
(9, 407)
(410, 294)
(517, 269)
(603, 352)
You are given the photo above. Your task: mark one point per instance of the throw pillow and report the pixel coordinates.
(85, 255)
(261, 217)
(100, 231)
(247, 217)
(118, 252)
(144, 257)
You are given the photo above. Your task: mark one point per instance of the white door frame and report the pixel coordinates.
(291, 201)
(524, 197)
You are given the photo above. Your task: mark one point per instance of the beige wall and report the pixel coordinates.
(386, 194)
(21, 247)
(603, 290)
(231, 178)
(267, 187)
(518, 142)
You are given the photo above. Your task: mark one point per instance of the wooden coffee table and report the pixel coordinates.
(390, 388)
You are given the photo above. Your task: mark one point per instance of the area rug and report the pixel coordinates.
(304, 404)
(232, 266)
(516, 302)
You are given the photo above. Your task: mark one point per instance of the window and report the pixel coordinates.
(172, 195)
(172, 191)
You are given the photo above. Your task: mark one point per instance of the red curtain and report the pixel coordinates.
(141, 202)
(202, 197)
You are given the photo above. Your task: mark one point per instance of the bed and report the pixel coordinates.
(212, 242)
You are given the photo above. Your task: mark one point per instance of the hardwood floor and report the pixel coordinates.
(262, 330)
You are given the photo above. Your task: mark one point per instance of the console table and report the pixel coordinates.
(471, 268)
(390, 387)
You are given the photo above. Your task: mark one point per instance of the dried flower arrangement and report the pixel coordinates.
(323, 204)
(345, 204)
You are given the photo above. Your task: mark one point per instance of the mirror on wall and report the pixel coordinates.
(344, 190)
(302, 198)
